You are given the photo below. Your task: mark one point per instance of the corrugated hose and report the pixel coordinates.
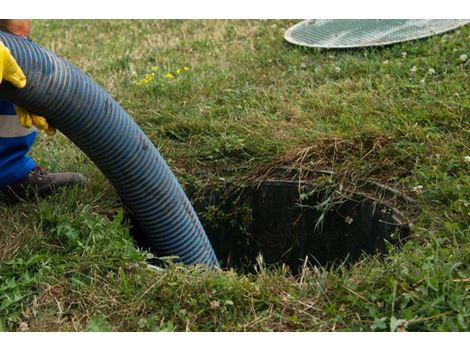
(83, 111)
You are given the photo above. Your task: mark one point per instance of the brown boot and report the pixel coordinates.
(41, 182)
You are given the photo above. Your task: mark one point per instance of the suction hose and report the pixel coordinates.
(78, 107)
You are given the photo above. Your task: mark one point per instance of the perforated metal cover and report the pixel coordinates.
(361, 33)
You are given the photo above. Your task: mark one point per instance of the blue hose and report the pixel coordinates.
(74, 104)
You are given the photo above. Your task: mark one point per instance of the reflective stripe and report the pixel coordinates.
(10, 127)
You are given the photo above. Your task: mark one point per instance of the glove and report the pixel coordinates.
(10, 71)
(28, 119)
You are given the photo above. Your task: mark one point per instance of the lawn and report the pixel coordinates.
(231, 103)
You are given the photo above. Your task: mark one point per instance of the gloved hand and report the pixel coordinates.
(10, 71)
(28, 119)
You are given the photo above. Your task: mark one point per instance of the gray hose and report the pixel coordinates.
(74, 104)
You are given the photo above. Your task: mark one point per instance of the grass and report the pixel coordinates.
(249, 104)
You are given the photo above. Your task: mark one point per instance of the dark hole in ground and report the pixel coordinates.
(270, 221)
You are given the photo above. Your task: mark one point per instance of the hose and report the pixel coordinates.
(102, 129)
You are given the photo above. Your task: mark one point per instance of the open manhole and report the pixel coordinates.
(270, 220)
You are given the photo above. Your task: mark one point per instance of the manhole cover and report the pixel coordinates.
(360, 33)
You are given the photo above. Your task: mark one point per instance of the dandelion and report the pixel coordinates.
(169, 76)
(147, 79)
(463, 57)
(431, 71)
(418, 189)
(337, 69)
(467, 159)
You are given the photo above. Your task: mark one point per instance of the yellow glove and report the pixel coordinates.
(28, 119)
(10, 71)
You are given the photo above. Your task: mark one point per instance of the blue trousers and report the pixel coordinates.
(15, 143)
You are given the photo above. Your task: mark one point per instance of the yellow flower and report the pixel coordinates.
(169, 76)
(154, 68)
(146, 80)
(185, 68)
(178, 71)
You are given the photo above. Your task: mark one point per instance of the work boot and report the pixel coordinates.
(41, 182)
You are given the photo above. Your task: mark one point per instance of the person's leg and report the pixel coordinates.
(15, 143)
(20, 176)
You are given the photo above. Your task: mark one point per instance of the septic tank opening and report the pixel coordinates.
(270, 221)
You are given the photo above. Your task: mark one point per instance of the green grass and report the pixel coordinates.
(249, 102)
